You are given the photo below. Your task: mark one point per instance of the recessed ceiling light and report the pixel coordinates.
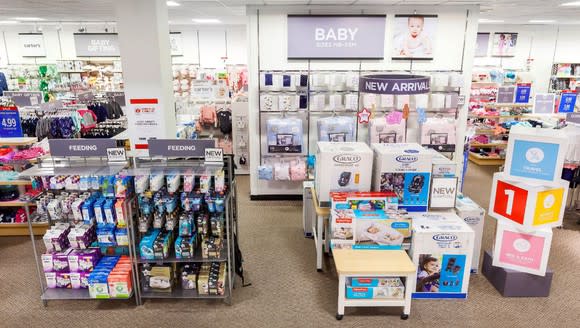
(6, 22)
(490, 21)
(29, 19)
(541, 21)
(173, 4)
(571, 4)
(206, 20)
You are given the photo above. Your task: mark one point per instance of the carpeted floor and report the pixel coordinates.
(287, 291)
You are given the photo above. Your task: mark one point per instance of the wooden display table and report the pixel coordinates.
(373, 263)
(322, 221)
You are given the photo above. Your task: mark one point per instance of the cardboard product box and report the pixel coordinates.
(160, 279)
(528, 205)
(395, 291)
(474, 216)
(521, 250)
(342, 166)
(369, 229)
(442, 250)
(406, 170)
(535, 155)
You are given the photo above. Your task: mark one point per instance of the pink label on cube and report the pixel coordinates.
(522, 250)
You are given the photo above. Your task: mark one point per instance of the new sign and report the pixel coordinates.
(97, 44)
(32, 45)
(336, 37)
(443, 193)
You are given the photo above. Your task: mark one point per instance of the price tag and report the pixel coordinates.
(10, 123)
(116, 154)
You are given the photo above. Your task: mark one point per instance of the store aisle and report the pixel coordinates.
(286, 290)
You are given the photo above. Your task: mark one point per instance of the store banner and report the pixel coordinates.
(32, 45)
(336, 37)
(10, 126)
(443, 193)
(25, 98)
(567, 102)
(80, 147)
(506, 95)
(117, 96)
(544, 103)
(179, 147)
(523, 92)
(51, 106)
(84, 97)
(395, 84)
(97, 44)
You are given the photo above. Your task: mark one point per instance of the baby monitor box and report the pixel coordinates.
(406, 170)
(441, 250)
(342, 166)
(473, 215)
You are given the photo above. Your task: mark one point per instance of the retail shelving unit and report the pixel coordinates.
(52, 166)
(226, 255)
(19, 229)
(565, 76)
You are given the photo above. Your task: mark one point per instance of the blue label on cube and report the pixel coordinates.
(534, 160)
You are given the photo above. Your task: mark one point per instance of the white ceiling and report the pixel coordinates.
(233, 11)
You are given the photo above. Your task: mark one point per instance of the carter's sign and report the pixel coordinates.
(336, 37)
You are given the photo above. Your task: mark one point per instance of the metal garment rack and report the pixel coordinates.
(67, 166)
(227, 254)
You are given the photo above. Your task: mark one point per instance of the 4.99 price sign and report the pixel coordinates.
(10, 123)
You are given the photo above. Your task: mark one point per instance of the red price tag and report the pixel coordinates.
(510, 202)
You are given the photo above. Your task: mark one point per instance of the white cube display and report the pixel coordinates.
(535, 155)
(525, 204)
(442, 250)
(522, 250)
(342, 166)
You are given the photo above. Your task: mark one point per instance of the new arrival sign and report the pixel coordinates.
(97, 44)
(394, 84)
(336, 37)
(32, 45)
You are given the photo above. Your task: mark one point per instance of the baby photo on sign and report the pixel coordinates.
(414, 36)
(504, 44)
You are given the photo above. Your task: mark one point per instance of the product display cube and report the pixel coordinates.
(535, 155)
(521, 250)
(474, 216)
(527, 205)
(441, 250)
(512, 283)
(342, 166)
(406, 170)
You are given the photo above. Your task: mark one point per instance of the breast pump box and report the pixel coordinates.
(406, 170)
(442, 251)
(341, 167)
